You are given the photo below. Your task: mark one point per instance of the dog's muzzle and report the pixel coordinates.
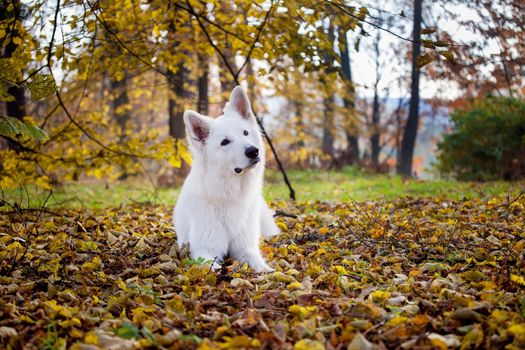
(253, 162)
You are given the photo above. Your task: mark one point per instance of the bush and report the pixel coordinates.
(488, 141)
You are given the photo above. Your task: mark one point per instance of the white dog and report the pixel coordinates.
(221, 209)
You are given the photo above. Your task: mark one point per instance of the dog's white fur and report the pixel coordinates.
(221, 211)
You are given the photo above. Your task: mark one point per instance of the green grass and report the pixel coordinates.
(353, 184)
(310, 185)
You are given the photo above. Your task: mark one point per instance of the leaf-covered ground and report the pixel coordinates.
(408, 273)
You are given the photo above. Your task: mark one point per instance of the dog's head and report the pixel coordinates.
(231, 142)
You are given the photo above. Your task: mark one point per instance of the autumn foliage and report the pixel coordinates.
(415, 273)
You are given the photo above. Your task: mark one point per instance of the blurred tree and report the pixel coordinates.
(496, 43)
(375, 122)
(351, 154)
(327, 145)
(203, 102)
(410, 132)
(227, 62)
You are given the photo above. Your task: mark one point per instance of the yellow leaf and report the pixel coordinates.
(76, 333)
(517, 330)
(90, 266)
(278, 276)
(140, 313)
(282, 226)
(517, 279)
(438, 341)
(26, 318)
(472, 339)
(122, 285)
(448, 55)
(295, 285)
(15, 248)
(379, 295)
(240, 341)
(377, 232)
(91, 338)
(58, 309)
(423, 60)
(71, 322)
(302, 311)
(308, 344)
(397, 320)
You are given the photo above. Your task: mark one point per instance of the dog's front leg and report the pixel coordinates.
(210, 247)
(209, 257)
(252, 256)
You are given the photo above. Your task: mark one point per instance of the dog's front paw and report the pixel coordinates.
(263, 268)
(215, 267)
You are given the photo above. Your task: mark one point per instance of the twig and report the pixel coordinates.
(284, 214)
(238, 37)
(342, 8)
(255, 41)
(55, 25)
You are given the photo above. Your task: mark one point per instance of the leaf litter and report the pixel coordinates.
(410, 273)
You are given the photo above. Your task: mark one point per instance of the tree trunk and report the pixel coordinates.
(250, 75)
(374, 138)
(328, 125)
(299, 125)
(225, 76)
(327, 144)
(202, 104)
(410, 132)
(17, 107)
(176, 102)
(352, 149)
(121, 110)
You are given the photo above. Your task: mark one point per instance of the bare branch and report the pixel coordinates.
(256, 40)
(236, 79)
(216, 25)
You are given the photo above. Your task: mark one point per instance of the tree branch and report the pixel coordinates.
(221, 28)
(236, 79)
(256, 40)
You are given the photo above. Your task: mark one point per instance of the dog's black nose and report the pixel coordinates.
(252, 152)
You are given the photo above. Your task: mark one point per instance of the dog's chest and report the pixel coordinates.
(237, 218)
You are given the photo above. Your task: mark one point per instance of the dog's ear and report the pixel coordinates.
(197, 126)
(240, 104)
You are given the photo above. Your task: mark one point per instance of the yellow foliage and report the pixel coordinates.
(295, 285)
(379, 295)
(517, 279)
(308, 344)
(91, 338)
(92, 265)
(58, 309)
(396, 321)
(517, 330)
(302, 311)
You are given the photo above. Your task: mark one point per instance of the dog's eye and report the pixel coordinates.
(245, 133)
(225, 142)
